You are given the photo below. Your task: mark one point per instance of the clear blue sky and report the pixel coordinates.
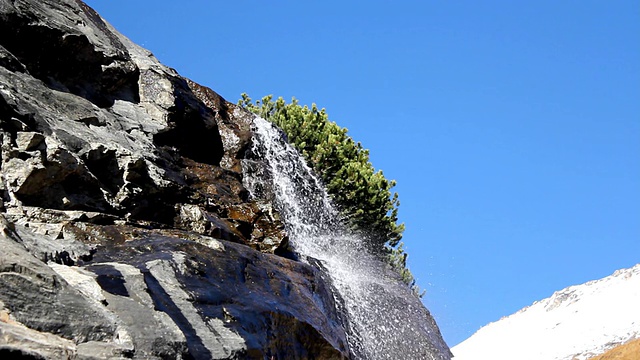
(512, 127)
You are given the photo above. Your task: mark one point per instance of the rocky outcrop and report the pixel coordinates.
(154, 293)
(125, 228)
(129, 139)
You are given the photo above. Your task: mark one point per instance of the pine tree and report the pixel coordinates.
(362, 194)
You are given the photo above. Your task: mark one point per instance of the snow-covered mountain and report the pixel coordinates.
(575, 323)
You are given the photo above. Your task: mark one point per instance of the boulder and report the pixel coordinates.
(37, 297)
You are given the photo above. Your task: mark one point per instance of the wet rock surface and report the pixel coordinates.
(125, 229)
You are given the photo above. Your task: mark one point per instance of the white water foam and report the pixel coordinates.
(386, 320)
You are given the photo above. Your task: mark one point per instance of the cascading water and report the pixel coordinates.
(386, 320)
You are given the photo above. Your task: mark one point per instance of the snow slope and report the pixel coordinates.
(575, 323)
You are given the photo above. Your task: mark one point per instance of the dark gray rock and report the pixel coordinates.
(258, 304)
(119, 183)
(37, 297)
(165, 296)
(144, 157)
(67, 46)
(7, 60)
(20, 342)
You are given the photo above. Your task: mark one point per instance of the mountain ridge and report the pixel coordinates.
(575, 323)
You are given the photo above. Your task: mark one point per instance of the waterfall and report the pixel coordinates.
(386, 320)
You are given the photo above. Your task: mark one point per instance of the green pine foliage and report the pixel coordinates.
(398, 260)
(362, 194)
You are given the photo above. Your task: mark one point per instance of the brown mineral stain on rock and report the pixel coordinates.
(5, 317)
(226, 211)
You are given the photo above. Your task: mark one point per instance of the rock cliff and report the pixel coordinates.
(125, 229)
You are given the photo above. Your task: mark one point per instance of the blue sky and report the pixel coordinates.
(512, 128)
